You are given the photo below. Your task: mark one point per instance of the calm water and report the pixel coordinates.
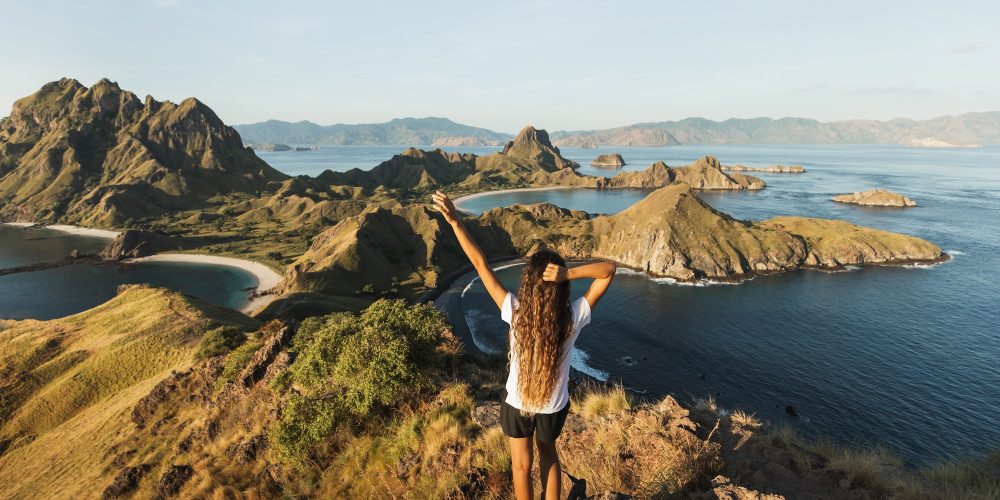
(57, 292)
(608, 202)
(906, 357)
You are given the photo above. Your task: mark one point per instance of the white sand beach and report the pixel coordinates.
(81, 231)
(267, 278)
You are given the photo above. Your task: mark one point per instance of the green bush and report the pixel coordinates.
(236, 362)
(220, 341)
(349, 366)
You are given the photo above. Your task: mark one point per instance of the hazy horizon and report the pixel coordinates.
(558, 65)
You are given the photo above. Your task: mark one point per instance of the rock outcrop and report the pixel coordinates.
(877, 197)
(609, 160)
(100, 156)
(706, 173)
(773, 169)
(133, 243)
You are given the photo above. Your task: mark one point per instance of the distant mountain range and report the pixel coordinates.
(969, 129)
(401, 131)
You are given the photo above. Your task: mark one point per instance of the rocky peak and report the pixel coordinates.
(707, 162)
(534, 145)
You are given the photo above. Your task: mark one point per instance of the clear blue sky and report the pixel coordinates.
(500, 65)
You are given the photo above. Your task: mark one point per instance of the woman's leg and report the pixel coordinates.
(549, 470)
(520, 465)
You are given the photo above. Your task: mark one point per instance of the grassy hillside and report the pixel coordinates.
(69, 384)
(381, 403)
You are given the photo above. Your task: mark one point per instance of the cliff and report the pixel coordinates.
(100, 156)
(609, 160)
(877, 197)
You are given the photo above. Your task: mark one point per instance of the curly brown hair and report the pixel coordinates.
(542, 323)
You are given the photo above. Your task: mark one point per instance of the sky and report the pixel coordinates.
(501, 65)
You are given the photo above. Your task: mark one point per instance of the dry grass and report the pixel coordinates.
(745, 420)
(100, 363)
(970, 479)
(866, 468)
(594, 401)
(645, 452)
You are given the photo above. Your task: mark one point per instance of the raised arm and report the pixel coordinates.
(472, 251)
(601, 272)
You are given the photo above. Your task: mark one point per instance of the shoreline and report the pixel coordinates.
(65, 228)
(267, 278)
(469, 197)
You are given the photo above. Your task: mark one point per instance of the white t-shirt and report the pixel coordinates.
(560, 392)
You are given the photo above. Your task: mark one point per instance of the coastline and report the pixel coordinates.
(267, 278)
(64, 228)
(461, 199)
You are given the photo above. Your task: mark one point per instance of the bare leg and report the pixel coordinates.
(549, 470)
(520, 461)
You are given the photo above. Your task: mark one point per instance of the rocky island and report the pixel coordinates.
(609, 160)
(773, 169)
(877, 197)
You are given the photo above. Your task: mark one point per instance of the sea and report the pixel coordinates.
(904, 357)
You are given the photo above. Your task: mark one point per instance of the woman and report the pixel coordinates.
(544, 324)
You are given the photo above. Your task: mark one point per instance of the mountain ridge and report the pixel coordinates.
(964, 129)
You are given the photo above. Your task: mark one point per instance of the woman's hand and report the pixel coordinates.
(555, 272)
(445, 206)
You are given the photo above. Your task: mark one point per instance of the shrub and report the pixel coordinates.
(236, 362)
(220, 341)
(349, 366)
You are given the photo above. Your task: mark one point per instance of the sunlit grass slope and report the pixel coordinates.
(67, 386)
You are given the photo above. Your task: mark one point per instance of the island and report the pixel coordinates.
(773, 169)
(273, 148)
(877, 197)
(609, 160)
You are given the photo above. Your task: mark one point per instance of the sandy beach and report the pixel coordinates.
(461, 199)
(267, 278)
(81, 231)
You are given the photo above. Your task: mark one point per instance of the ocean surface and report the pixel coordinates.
(905, 357)
(61, 291)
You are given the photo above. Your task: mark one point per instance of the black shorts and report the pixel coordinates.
(547, 426)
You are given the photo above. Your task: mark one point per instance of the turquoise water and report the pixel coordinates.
(900, 356)
(58, 292)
